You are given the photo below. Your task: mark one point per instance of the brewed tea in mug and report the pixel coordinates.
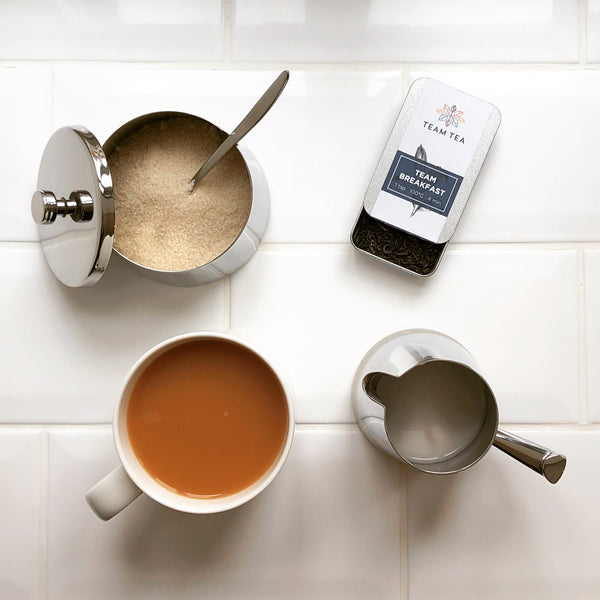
(207, 418)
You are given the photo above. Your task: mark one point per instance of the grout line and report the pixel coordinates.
(562, 426)
(581, 340)
(549, 427)
(52, 426)
(227, 308)
(300, 66)
(50, 113)
(43, 518)
(15, 244)
(227, 12)
(325, 426)
(454, 246)
(572, 245)
(582, 37)
(102, 426)
(306, 426)
(406, 81)
(404, 550)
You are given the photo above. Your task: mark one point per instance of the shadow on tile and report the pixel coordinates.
(434, 498)
(124, 302)
(8, 590)
(250, 537)
(378, 268)
(189, 541)
(327, 527)
(123, 288)
(92, 335)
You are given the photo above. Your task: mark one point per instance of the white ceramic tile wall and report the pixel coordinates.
(519, 286)
(530, 189)
(593, 31)
(22, 505)
(318, 112)
(356, 302)
(524, 539)
(328, 527)
(26, 105)
(392, 31)
(145, 30)
(592, 331)
(71, 348)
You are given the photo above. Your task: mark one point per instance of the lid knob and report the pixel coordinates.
(76, 227)
(45, 207)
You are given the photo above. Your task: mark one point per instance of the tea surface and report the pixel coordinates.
(207, 418)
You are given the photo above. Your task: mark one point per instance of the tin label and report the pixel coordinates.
(427, 170)
(422, 184)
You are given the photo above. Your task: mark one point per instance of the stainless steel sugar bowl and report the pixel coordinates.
(74, 209)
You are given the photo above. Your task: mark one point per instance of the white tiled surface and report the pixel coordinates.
(356, 302)
(593, 31)
(311, 118)
(142, 30)
(519, 286)
(328, 527)
(25, 102)
(71, 348)
(21, 473)
(592, 301)
(405, 31)
(524, 539)
(531, 188)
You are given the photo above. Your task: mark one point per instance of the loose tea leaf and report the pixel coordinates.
(396, 246)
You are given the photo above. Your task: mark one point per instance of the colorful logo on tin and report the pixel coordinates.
(450, 115)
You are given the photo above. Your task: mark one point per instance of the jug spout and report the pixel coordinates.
(370, 383)
(370, 412)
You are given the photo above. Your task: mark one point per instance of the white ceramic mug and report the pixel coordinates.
(129, 480)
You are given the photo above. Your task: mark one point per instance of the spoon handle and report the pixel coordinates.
(258, 111)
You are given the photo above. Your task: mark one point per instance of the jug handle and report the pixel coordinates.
(541, 460)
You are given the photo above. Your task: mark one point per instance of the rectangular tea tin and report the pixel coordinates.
(425, 175)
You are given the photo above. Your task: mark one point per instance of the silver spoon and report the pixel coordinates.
(258, 111)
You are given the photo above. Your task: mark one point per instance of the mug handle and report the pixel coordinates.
(112, 494)
(543, 461)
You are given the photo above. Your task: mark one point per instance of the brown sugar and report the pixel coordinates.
(158, 223)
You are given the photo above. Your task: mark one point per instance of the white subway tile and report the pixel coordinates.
(318, 146)
(321, 142)
(592, 331)
(132, 30)
(306, 536)
(538, 182)
(320, 309)
(127, 92)
(593, 31)
(71, 348)
(24, 128)
(319, 175)
(20, 506)
(499, 530)
(404, 31)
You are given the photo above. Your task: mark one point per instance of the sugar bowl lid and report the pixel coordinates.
(74, 208)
